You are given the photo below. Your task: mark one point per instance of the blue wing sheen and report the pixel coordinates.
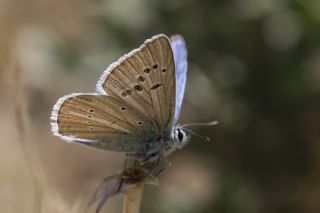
(180, 58)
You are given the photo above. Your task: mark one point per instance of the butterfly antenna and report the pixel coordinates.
(212, 123)
(205, 138)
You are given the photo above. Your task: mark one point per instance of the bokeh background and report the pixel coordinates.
(254, 65)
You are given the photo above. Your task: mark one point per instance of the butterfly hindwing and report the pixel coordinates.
(101, 121)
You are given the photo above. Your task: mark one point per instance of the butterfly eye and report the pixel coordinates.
(139, 123)
(123, 108)
(180, 135)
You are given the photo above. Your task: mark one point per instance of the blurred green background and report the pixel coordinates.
(254, 65)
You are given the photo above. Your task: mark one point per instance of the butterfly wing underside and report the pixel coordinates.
(145, 79)
(100, 121)
(180, 57)
(135, 103)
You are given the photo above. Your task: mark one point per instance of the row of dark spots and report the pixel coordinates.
(90, 116)
(108, 110)
(155, 66)
(140, 78)
(138, 88)
(126, 92)
(147, 70)
(92, 111)
(129, 91)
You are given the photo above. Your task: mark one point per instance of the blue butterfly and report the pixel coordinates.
(136, 105)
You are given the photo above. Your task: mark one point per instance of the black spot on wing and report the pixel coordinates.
(156, 86)
(138, 87)
(146, 70)
(141, 78)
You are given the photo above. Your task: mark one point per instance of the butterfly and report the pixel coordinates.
(136, 105)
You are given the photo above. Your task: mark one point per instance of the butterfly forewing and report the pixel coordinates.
(145, 80)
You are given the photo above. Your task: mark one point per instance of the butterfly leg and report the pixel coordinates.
(123, 172)
(161, 170)
(162, 164)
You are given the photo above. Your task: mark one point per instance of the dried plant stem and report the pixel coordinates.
(132, 199)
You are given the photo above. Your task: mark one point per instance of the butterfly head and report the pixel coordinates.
(181, 137)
